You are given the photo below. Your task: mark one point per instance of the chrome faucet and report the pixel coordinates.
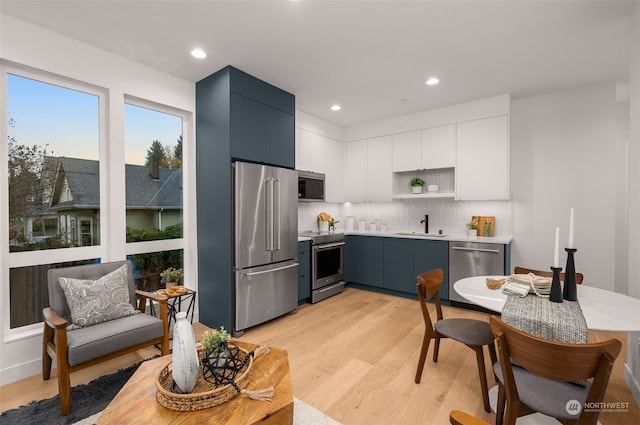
(426, 223)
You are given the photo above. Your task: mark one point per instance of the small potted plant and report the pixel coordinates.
(215, 346)
(416, 184)
(332, 224)
(171, 276)
(472, 228)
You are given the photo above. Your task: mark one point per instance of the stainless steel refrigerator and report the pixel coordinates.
(265, 243)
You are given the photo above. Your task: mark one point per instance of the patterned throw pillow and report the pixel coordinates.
(96, 301)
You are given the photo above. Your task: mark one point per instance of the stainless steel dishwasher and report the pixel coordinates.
(473, 259)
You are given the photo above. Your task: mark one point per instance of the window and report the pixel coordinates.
(53, 157)
(62, 186)
(53, 154)
(153, 156)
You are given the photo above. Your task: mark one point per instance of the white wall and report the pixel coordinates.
(23, 44)
(564, 155)
(632, 369)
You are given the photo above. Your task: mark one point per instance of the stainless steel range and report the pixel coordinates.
(327, 264)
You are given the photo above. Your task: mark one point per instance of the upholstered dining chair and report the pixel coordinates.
(92, 317)
(456, 417)
(524, 270)
(475, 334)
(557, 379)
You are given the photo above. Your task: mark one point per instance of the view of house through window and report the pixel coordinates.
(54, 184)
(153, 171)
(54, 179)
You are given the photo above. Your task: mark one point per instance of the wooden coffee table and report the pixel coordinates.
(136, 401)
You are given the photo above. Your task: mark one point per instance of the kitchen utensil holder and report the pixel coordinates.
(556, 291)
(570, 292)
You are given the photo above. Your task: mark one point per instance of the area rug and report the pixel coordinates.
(89, 400)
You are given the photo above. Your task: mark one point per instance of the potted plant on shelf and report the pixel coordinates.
(416, 184)
(171, 276)
(472, 228)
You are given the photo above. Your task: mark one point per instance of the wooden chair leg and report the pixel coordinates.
(46, 358)
(423, 356)
(500, 405)
(483, 377)
(64, 387)
(436, 348)
(494, 359)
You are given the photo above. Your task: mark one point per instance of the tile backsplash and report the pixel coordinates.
(405, 215)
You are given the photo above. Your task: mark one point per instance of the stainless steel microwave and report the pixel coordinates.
(310, 186)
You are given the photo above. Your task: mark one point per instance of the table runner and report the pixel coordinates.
(545, 319)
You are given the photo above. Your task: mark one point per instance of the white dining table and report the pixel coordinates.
(603, 310)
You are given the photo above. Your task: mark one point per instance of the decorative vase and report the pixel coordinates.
(170, 284)
(185, 354)
(416, 189)
(472, 233)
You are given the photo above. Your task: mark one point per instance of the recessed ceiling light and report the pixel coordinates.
(198, 53)
(432, 81)
(336, 107)
(405, 100)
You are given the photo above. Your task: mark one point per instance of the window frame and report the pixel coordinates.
(112, 246)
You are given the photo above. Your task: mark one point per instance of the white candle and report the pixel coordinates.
(570, 245)
(556, 253)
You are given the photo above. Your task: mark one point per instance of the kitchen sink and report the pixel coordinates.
(425, 235)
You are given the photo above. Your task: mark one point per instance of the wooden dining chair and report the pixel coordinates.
(457, 417)
(475, 334)
(557, 379)
(524, 270)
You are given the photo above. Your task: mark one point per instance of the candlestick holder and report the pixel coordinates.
(570, 292)
(556, 292)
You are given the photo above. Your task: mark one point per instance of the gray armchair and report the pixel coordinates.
(85, 346)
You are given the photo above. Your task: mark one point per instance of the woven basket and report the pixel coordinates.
(205, 394)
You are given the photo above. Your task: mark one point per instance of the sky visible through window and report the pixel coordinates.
(65, 120)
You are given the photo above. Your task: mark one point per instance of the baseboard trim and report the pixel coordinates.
(20, 371)
(633, 383)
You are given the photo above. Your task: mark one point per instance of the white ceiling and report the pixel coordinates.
(365, 55)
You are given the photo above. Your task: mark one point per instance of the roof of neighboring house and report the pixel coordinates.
(82, 177)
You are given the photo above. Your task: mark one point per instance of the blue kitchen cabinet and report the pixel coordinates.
(261, 133)
(429, 255)
(262, 121)
(237, 117)
(398, 267)
(304, 271)
(363, 259)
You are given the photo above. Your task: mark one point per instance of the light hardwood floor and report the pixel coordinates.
(354, 356)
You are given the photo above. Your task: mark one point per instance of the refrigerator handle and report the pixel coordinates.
(277, 219)
(277, 269)
(269, 218)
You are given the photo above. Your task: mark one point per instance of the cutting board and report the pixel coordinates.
(482, 220)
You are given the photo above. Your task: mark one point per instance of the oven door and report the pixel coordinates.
(327, 264)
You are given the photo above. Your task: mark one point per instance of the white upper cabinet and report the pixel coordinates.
(380, 181)
(439, 147)
(425, 149)
(318, 153)
(321, 154)
(335, 171)
(302, 150)
(482, 159)
(356, 171)
(407, 150)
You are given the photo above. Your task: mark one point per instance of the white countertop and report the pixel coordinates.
(411, 235)
(417, 235)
